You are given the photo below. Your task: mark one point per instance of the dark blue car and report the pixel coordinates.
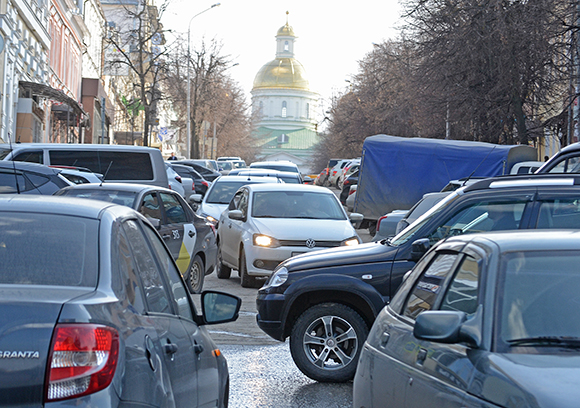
(94, 312)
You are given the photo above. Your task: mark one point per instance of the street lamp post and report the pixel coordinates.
(189, 81)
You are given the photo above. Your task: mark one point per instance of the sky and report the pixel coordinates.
(332, 35)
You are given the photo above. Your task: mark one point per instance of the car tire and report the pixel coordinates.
(222, 271)
(309, 340)
(195, 275)
(246, 280)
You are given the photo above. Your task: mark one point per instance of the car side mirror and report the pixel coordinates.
(446, 326)
(195, 198)
(356, 218)
(156, 222)
(419, 248)
(236, 215)
(219, 307)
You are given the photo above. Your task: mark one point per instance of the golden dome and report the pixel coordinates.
(286, 30)
(282, 73)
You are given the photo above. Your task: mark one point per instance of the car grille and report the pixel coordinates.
(302, 243)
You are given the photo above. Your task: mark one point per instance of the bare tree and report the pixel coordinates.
(215, 100)
(136, 39)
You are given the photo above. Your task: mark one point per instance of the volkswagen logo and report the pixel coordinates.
(310, 243)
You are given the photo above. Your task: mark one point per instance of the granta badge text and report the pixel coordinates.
(19, 354)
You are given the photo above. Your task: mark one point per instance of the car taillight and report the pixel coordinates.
(193, 186)
(178, 178)
(379, 222)
(345, 182)
(351, 192)
(205, 183)
(82, 360)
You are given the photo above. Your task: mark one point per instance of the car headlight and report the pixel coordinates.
(278, 278)
(265, 241)
(350, 241)
(211, 219)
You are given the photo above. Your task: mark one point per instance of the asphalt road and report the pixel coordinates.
(262, 373)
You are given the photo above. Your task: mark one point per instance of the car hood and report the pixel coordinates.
(358, 254)
(302, 229)
(533, 380)
(215, 210)
(27, 319)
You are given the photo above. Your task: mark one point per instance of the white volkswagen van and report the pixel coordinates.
(117, 163)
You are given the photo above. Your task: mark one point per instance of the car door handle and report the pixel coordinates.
(198, 348)
(421, 356)
(170, 348)
(191, 234)
(166, 236)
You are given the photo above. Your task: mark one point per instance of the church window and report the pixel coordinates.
(286, 46)
(307, 111)
(284, 109)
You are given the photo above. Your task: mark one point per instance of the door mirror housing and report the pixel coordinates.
(236, 215)
(419, 248)
(446, 326)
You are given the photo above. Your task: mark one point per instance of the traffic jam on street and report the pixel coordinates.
(125, 291)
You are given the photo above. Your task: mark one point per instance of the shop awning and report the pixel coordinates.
(48, 92)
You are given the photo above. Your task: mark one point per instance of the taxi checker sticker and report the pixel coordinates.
(187, 246)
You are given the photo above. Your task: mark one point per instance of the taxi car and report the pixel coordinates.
(190, 238)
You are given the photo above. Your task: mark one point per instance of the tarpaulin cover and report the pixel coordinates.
(395, 171)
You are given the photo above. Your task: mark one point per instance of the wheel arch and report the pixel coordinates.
(345, 290)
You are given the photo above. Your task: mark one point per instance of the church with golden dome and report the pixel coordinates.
(284, 107)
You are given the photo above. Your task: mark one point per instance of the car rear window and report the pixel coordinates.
(48, 249)
(123, 165)
(126, 198)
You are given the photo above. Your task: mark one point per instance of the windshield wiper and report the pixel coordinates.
(546, 341)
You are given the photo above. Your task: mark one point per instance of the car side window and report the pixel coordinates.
(569, 165)
(243, 204)
(481, 217)
(150, 207)
(180, 294)
(8, 183)
(174, 211)
(462, 292)
(429, 285)
(234, 204)
(155, 294)
(559, 213)
(30, 156)
(128, 271)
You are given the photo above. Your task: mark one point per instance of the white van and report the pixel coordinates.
(526, 167)
(117, 163)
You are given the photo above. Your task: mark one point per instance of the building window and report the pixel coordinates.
(284, 109)
(307, 111)
(286, 46)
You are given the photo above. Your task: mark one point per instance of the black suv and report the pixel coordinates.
(327, 300)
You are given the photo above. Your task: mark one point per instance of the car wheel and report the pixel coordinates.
(222, 271)
(195, 275)
(326, 342)
(247, 280)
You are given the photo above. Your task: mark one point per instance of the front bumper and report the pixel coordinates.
(269, 317)
(261, 261)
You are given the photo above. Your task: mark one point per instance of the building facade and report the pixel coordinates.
(284, 106)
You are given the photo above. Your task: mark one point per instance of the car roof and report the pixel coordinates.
(523, 240)
(524, 180)
(289, 187)
(35, 167)
(57, 205)
(130, 187)
(274, 162)
(258, 171)
(258, 179)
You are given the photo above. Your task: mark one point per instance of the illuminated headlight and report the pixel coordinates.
(350, 242)
(265, 241)
(211, 219)
(278, 278)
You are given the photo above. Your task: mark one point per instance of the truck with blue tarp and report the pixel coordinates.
(395, 171)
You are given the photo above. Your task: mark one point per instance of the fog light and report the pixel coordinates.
(259, 263)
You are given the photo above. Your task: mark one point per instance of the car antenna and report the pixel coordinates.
(105, 175)
(13, 164)
(474, 170)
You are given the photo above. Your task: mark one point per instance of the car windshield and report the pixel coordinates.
(239, 164)
(410, 231)
(126, 198)
(296, 204)
(226, 165)
(223, 191)
(538, 302)
(48, 249)
(4, 153)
